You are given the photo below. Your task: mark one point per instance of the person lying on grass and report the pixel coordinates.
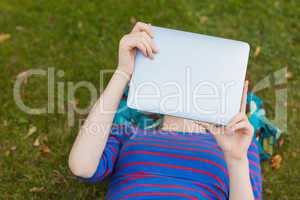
(182, 160)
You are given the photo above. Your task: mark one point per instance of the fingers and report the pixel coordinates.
(242, 115)
(206, 125)
(148, 48)
(143, 35)
(244, 98)
(213, 128)
(237, 118)
(147, 42)
(141, 41)
(242, 125)
(140, 26)
(239, 122)
(150, 41)
(141, 47)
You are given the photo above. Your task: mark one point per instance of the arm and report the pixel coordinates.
(92, 137)
(239, 177)
(235, 139)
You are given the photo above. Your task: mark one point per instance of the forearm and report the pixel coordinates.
(239, 178)
(92, 137)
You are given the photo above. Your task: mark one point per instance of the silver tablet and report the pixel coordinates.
(193, 76)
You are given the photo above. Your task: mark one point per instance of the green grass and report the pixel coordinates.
(81, 37)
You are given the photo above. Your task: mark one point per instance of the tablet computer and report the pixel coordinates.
(193, 76)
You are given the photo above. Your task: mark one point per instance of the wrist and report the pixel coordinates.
(123, 72)
(233, 161)
(125, 69)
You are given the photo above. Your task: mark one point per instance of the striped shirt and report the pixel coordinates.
(157, 164)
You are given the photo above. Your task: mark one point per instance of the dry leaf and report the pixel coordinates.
(31, 131)
(257, 51)
(132, 20)
(276, 161)
(36, 142)
(4, 37)
(203, 19)
(36, 189)
(289, 75)
(13, 148)
(276, 166)
(45, 149)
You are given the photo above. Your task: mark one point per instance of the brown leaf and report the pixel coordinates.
(276, 166)
(4, 37)
(13, 148)
(257, 51)
(289, 75)
(36, 142)
(36, 189)
(276, 161)
(45, 149)
(31, 131)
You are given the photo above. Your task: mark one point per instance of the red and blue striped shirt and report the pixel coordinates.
(157, 164)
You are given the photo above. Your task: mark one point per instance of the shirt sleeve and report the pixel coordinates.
(110, 154)
(255, 170)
